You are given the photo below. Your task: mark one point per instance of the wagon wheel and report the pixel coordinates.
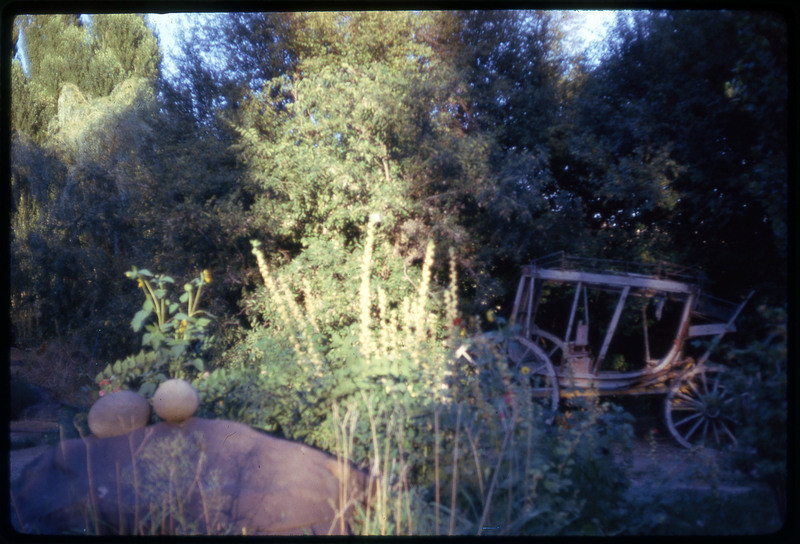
(696, 408)
(549, 343)
(524, 354)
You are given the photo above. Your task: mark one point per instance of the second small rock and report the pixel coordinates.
(175, 401)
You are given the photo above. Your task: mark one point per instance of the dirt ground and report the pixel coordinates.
(658, 457)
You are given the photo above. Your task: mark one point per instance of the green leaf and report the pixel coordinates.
(178, 350)
(145, 272)
(139, 318)
(184, 297)
(147, 389)
(117, 368)
(198, 364)
(173, 307)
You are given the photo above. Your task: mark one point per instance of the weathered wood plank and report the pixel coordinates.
(609, 280)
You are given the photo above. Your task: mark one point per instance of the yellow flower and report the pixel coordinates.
(139, 283)
(525, 370)
(184, 324)
(207, 275)
(490, 316)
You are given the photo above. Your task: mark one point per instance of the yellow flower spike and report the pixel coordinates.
(207, 275)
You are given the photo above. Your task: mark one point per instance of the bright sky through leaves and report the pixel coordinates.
(592, 27)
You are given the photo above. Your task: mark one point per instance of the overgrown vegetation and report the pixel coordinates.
(760, 378)
(396, 169)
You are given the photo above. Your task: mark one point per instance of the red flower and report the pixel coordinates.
(457, 322)
(104, 382)
(507, 397)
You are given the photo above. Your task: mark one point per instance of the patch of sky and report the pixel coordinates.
(586, 32)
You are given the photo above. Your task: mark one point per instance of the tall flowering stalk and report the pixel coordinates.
(290, 314)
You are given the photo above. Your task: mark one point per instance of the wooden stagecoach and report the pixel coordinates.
(619, 328)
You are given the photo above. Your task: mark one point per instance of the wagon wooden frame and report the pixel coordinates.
(564, 364)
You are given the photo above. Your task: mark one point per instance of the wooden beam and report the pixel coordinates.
(609, 280)
(572, 311)
(612, 328)
(710, 329)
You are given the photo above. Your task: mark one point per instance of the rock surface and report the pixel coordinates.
(118, 413)
(175, 401)
(197, 477)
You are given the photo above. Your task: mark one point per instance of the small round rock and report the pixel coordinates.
(118, 413)
(175, 401)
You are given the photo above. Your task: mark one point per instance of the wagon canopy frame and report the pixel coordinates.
(627, 279)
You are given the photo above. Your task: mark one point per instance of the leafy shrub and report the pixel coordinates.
(452, 436)
(759, 379)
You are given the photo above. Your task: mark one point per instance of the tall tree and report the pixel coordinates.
(511, 67)
(248, 49)
(365, 130)
(82, 136)
(61, 49)
(676, 154)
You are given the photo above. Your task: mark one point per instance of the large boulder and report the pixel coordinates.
(118, 413)
(197, 477)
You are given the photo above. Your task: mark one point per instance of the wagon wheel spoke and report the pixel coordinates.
(728, 432)
(696, 407)
(695, 390)
(688, 419)
(716, 433)
(692, 429)
(538, 368)
(692, 403)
